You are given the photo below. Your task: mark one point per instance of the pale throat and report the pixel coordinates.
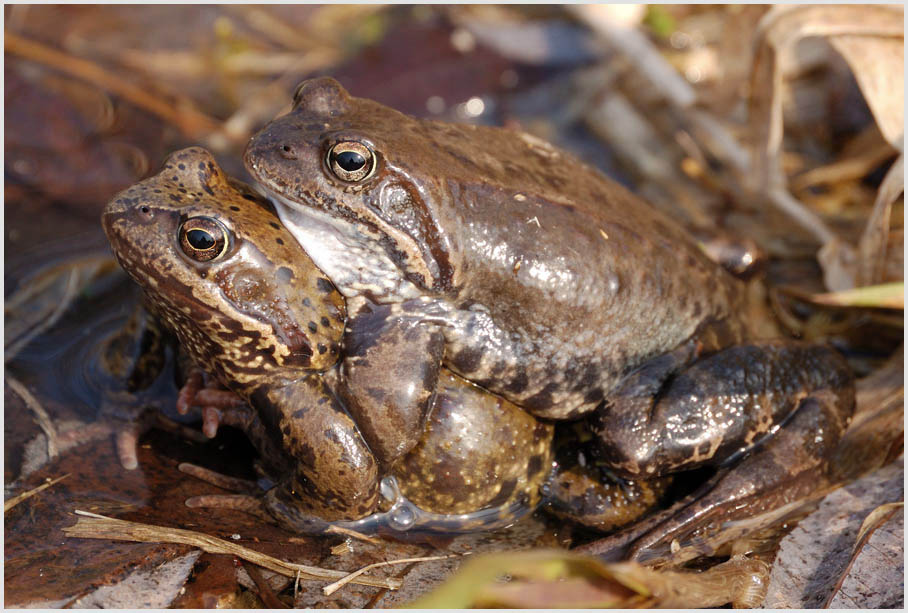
(354, 261)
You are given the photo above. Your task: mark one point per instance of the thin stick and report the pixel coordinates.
(191, 122)
(267, 595)
(330, 589)
(92, 525)
(41, 416)
(9, 504)
(354, 534)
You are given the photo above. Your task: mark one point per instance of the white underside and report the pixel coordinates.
(353, 260)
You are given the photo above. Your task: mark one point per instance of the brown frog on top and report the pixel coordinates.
(246, 303)
(530, 274)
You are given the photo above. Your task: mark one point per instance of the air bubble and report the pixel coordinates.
(402, 517)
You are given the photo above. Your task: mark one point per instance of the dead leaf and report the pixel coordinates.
(878, 64)
(859, 33)
(555, 579)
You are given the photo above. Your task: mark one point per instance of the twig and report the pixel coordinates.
(849, 169)
(190, 121)
(91, 525)
(9, 504)
(633, 44)
(267, 595)
(44, 421)
(354, 534)
(807, 219)
(330, 589)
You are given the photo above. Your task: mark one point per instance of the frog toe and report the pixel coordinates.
(252, 505)
(582, 497)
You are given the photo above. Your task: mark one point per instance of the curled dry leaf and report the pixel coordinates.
(878, 64)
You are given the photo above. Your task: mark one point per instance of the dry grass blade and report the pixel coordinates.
(45, 296)
(330, 589)
(885, 296)
(9, 504)
(191, 122)
(874, 520)
(41, 416)
(91, 525)
(874, 243)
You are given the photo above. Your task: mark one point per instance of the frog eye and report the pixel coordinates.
(203, 238)
(351, 161)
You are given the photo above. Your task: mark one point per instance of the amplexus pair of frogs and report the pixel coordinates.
(417, 304)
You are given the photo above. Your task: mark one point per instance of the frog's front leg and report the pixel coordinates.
(333, 474)
(389, 375)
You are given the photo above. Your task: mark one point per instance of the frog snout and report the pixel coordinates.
(123, 212)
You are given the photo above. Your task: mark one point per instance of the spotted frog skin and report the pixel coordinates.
(250, 308)
(517, 267)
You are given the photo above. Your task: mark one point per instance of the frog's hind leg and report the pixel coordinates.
(769, 485)
(664, 420)
(777, 416)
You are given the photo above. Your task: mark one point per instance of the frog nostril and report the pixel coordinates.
(145, 209)
(287, 152)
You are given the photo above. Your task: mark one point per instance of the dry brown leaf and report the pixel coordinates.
(554, 579)
(878, 64)
(857, 32)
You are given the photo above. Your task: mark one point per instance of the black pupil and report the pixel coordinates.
(350, 161)
(200, 239)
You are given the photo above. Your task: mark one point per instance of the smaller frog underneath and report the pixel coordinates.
(250, 308)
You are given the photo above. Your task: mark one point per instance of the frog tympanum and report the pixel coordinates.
(246, 303)
(521, 269)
